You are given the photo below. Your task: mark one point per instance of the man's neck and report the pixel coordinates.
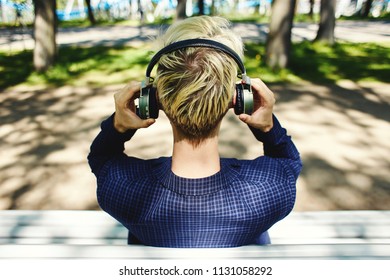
(190, 161)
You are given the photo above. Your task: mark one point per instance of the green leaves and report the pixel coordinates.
(100, 65)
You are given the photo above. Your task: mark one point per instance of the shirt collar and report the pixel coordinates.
(194, 187)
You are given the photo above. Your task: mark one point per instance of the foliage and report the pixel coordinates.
(255, 18)
(358, 62)
(76, 66)
(320, 63)
(76, 23)
(307, 18)
(95, 66)
(385, 16)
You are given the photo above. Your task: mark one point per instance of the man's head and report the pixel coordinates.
(195, 85)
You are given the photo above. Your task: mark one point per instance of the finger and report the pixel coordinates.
(135, 88)
(146, 123)
(260, 88)
(245, 118)
(128, 92)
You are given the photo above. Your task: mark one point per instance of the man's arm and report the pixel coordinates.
(277, 144)
(117, 129)
(108, 143)
(267, 129)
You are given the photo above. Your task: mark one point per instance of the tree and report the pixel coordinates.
(212, 7)
(45, 28)
(279, 37)
(311, 11)
(327, 24)
(3, 15)
(181, 9)
(201, 7)
(91, 16)
(367, 8)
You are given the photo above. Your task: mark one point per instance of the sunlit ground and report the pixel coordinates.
(341, 130)
(333, 101)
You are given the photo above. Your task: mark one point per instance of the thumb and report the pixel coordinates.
(245, 118)
(148, 122)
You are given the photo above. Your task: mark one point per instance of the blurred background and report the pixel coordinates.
(327, 61)
(152, 10)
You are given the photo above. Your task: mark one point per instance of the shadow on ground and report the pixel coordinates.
(342, 132)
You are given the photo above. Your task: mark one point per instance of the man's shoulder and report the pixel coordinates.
(133, 167)
(258, 162)
(259, 168)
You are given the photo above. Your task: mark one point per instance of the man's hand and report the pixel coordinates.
(264, 100)
(125, 117)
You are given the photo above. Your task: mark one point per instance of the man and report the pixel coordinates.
(195, 198)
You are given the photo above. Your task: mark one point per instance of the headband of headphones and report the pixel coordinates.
(205, 43)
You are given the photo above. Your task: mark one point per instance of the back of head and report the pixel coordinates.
(195, 85)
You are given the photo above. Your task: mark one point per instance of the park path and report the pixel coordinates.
(342, 132)
(352, 31)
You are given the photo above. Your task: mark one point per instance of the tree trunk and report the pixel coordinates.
(45, 22)
(367, 8)
(181, 9)
(311, 11)
(327, 22)
(91, 16)
(212, 8)
(201, 7)
(279, 36)
(3, 15)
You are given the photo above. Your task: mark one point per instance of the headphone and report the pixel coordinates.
(148, 104)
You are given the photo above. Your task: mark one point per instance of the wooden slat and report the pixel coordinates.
(53, 217)
(123, 241)
(338, 217)
(94, 234)
(110, 232)
(61, 231)
(332, 231)
(67, 241)
(97, 227)
(318, 251)
(64, 217)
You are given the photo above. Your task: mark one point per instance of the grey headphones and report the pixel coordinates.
(148, 104)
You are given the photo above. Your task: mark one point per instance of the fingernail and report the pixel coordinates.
(242, 117)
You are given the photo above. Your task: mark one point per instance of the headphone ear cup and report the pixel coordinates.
(153, 103)
(244, 99)
(147, 103)
(239, 104)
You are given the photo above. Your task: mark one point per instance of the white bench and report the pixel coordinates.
(94, 234)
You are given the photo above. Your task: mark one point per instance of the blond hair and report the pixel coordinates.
(195, 85)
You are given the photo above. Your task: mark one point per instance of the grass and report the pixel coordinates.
(320, 63)
(92, 66)
(357, 62)
(383, 17)
(96, 66)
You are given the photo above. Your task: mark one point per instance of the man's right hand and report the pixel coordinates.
(125, 117)
(263, 103)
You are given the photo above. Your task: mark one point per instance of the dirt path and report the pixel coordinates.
(351, 31)
(342, 132)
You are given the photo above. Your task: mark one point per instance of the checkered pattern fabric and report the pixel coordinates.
(233, 207)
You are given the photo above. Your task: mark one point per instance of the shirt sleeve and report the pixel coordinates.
(277, 144)
(109, 143)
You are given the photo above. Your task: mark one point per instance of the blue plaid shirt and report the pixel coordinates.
(233, 207)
